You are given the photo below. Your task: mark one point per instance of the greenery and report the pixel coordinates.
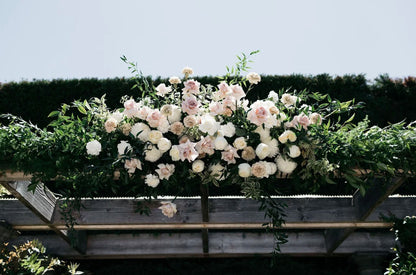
(91, 150)
(31, 258)
(405, 259)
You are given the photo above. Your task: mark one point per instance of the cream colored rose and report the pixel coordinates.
(153, 154)
(228, 130)
(174, 153)
(164, 144)
(273, 110)
(315, 118)
(174, 80)
(198, 166)
(187, 71)
(177, 128)
(262, 150)
(123, 147)
(152, 180)
(248, 153)
(141, 131)
(253, 78)
(244, 170)
(110, 125)
(294, 151)
(154, 136)
(287, 135)
(273, 96)
(165, 171)
(220, 143)
(166, 110)
(240, 143)
(217, 171)
(259, 170)
(126, 128)
(168, 208)
(189, 121)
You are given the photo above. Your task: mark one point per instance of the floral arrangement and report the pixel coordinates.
(180, 130)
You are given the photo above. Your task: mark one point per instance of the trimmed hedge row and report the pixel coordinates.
(387, 100)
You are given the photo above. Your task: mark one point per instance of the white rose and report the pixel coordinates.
(271, 168)
(168, 208)
(141, 128)
(174, 80)
(164, 144)
(220, 143)
(164, 126)
(228, 130)
(288, 100)
(154, 136)
(240, 143)
(176, 114)
(152, 180)
(253, 78)
(118, 116)
(153, 155)
(123, 147)
(174, 153)
(273, 96)
(262, 150)
(244, 170)
(285, 166)
(93, 148)
(187, 71)
(294, 151)
(198, 166)
(315, 118)
(208, 125)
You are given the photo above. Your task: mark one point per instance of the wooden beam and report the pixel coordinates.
(42, 202)
(205, 217)
(363, 207)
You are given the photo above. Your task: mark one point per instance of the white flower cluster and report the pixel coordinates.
(195, 122)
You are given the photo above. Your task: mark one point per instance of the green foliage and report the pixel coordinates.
(31, 258)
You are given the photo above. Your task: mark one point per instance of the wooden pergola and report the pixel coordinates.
(204, 226)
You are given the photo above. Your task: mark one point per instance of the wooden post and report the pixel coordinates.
(205, 217)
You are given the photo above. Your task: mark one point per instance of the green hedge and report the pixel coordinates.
(386, 100)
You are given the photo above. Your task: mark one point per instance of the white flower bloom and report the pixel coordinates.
(285, 166)
(271, 168)
(198, 166)
(162, 90)
(164, 144)
(176, 114)
(118, 116)
(93, 148)
(154, 136)
(288, 100)
(220, 143)
(273, 96)
(262, 151)
(287, 135)
(164, 126)
(174, 153)
(174, 80)
(123, 147)
(209, 125)
(141, 128)
(153, 154)
(273, 147)
(264, 133)
(240, 143)
(259, 170)
(110, 125)
(253, 78)
(294, 151)
(315, 118)
(244, 170)
(217, 170)
(187, 71)
(168, 208)
(152, 180)
(228, 130)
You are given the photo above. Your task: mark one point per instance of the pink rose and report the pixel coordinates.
(154, 118)
(258, 116)
(238, 92)
(190, 105)
(191, 87)
(130, 108)
(224, 89)
(216, 108)
(205, 145)
(130, 104)
(302, 120)
(229, 154)
(229, 103)
(187, 151)
(132, 164)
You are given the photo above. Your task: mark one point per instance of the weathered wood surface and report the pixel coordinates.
(301, 213)
(222, 244)
(363, 206)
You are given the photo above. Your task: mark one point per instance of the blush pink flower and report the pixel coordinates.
(132, 164)
(205, 145)
(154, 118)
(190, 105)
(130, 108)
(229, 103)
(216, 108)
(229, 154)
(165, 171)
(162, 90)
(302, 120)
(258, 116)
(191, 87)
(224, 89)
(187, 151)
(237, 92)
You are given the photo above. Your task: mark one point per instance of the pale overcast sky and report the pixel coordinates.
(49, 39)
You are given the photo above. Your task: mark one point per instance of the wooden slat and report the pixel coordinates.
(205, 217)
(222, 244)
(363, 206)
